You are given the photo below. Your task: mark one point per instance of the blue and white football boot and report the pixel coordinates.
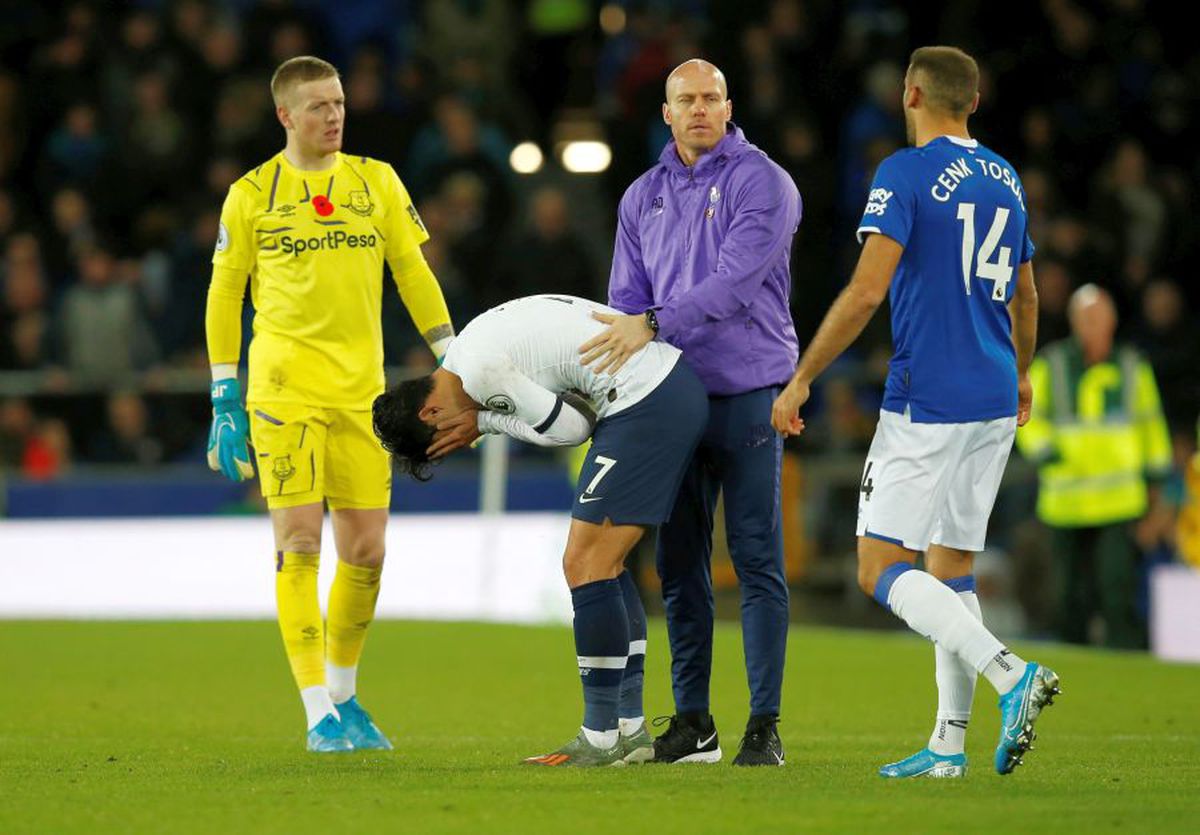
(364, 734)
(927, 764)
(329, 737)
(1019, 709)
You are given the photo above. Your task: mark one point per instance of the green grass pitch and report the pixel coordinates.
(195, 727)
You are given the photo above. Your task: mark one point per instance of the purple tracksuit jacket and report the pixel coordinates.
(708, 246)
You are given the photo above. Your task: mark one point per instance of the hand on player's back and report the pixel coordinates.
(612, 347)
(455, 432)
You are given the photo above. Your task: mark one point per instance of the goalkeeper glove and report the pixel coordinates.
(227, 450)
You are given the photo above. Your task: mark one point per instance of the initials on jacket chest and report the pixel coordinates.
(685, 223)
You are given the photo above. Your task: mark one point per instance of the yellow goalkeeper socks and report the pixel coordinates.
(300, 616)
(351, 610)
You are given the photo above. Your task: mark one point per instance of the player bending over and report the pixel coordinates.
(943, 223)
(515, 370)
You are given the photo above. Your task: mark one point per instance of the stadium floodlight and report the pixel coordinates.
(526, 158)
(612, 19)
(586, 157)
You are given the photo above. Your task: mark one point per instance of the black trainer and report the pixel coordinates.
(690, 738)
(761, 744)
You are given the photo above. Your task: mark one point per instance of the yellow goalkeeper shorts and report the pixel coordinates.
(306, 454)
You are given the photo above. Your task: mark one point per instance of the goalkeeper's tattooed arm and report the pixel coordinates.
(438, 339)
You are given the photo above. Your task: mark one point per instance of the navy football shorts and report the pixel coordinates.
(639, 455)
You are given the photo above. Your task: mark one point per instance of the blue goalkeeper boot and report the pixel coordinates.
(329, 737)
(360, 728)
(927, 764)
(1019, 709)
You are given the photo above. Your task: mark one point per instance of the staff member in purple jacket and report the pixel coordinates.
(701, 261)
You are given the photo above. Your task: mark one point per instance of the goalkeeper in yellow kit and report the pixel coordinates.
(311, 228)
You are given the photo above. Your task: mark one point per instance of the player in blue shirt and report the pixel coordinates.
(944, 232)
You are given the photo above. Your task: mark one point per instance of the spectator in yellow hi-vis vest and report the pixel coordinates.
(1100, 440)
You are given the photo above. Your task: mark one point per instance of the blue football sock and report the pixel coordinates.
(601, 644)
(631, 682)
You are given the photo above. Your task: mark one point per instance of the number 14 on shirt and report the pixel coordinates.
(1000, 271)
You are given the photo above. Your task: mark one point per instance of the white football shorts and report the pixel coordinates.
(933, 483)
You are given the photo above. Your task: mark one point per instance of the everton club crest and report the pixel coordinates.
(360, 203)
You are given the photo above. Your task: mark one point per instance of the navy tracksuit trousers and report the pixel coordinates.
(742, 455)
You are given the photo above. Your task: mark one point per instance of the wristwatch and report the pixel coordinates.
(652, 320)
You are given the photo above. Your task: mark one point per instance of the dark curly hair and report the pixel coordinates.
(395, 416)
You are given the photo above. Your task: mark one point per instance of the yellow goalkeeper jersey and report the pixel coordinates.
(314, 244)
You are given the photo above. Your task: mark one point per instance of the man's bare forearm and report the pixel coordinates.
(1025, 313)
(1025, 335)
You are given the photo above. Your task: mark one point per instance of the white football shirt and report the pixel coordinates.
(517, 358)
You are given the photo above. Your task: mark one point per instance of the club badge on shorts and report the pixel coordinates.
(283, 468)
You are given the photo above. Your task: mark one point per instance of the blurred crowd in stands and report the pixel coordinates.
(122, 125)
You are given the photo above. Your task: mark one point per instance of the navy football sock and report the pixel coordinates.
(601, 644)
(631, 682)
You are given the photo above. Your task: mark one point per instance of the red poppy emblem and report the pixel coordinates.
(322, 205)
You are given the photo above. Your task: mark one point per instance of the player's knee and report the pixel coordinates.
(579, 566)
(868, 576)
(582, 565)
(945, 563)
(301, 542)
(368, 554)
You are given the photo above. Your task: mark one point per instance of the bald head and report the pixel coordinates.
(697, 108)
(1093, 319)
(1089, 299)
(697, 71)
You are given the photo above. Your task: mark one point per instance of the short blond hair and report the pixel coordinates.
(949, 76)
(296, 71)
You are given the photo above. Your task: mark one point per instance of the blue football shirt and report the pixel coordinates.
(958, 210)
